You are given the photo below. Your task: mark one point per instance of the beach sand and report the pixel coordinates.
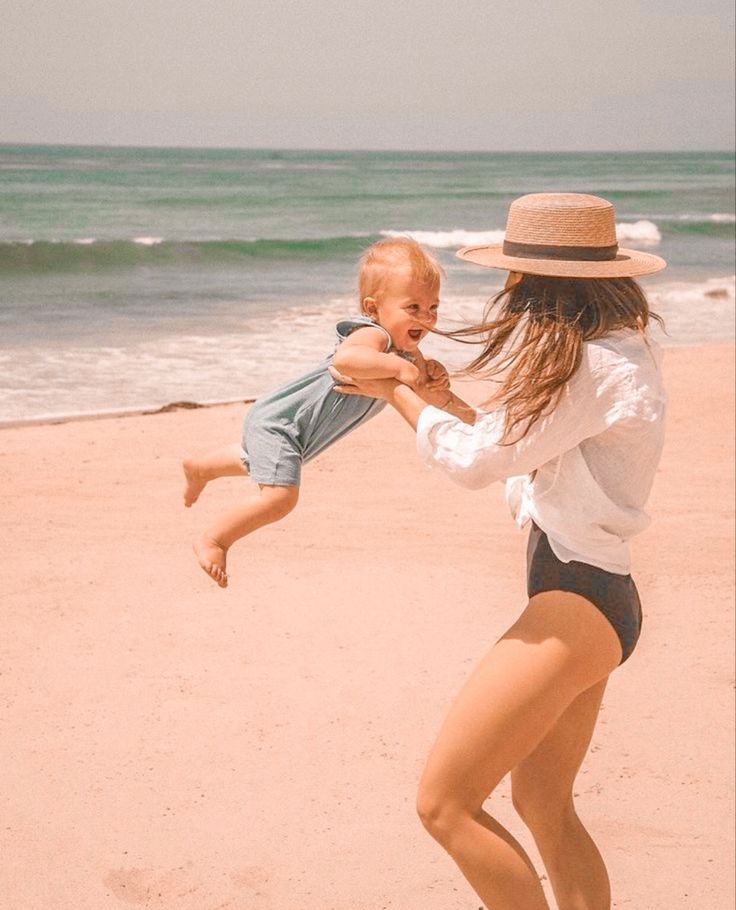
(169, 745)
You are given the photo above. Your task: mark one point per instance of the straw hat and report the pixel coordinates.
(568, 235)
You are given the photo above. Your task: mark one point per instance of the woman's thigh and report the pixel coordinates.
(544, 779)
(559, 647)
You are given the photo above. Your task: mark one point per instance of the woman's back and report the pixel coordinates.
(590, 498)
(624, 458)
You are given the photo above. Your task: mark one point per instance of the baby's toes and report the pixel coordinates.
(221, 578)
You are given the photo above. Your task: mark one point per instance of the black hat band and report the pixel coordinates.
(547, 251)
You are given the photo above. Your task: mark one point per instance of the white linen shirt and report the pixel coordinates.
(583, 472)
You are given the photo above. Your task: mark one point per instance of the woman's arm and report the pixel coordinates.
(474, 453)
(445, 400)
(478, 455)
(407, 401)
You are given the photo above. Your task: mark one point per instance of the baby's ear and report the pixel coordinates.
(369, 307)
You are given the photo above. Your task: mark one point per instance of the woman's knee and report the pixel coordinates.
(441, 812)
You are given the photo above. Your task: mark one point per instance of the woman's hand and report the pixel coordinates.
(438, 379)
(371, 388)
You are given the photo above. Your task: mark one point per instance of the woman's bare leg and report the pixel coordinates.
(542, 788)
(211, 548)
(558, 648)
(198, 471)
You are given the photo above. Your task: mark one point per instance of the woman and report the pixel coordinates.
(576, 431)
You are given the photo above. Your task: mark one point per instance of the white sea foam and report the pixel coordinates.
(643, 231)
(716, 217)
(699, 299)
(639, 231)
(88, 241)
(696, 312)
(265, 352)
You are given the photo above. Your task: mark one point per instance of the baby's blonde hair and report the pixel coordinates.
(393, 253)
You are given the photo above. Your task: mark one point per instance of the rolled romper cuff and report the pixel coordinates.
(428, 420)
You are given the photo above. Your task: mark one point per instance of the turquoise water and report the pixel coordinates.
(133, 277)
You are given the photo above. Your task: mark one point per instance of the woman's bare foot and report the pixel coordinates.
(212, 557)
(195, 482)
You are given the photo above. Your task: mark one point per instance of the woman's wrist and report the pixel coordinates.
(447, 400)
(406, 401)
(441, 399)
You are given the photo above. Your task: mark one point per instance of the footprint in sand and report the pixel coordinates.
(152, 888)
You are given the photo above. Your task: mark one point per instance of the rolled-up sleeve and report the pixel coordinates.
(474, 456)
(460, 449)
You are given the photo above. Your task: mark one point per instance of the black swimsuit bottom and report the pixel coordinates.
(614, 595)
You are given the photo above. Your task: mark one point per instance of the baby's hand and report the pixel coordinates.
(438, 379)
(408, 374)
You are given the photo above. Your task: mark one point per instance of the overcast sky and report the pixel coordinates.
(399, 74)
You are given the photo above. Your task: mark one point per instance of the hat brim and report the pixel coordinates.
(627, 264)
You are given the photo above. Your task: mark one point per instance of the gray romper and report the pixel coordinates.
(290, 426)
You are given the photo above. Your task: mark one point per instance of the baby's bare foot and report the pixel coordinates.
(195, 482)
(212, 557)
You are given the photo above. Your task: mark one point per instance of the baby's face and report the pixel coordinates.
(405, 307)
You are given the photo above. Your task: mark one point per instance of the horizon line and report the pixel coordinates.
(363, 150)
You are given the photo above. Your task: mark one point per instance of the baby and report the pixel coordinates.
(399, 295)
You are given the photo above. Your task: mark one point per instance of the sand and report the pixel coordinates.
(169, 745)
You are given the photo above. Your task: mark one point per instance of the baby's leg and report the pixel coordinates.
(212, 546)
(224, 462)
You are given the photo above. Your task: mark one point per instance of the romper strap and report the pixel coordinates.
(346, 327)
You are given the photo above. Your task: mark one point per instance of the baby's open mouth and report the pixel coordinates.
(415, 334)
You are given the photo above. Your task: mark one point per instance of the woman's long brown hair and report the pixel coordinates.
(533, 333)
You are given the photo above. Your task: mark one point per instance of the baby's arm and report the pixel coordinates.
(431, 384)
(361, 355)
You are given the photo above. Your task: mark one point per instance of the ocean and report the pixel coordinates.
(135, 277)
